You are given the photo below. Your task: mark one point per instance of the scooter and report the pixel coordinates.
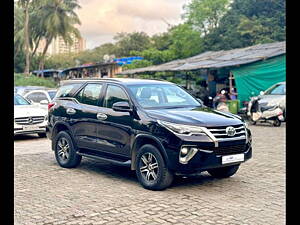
(257, 112)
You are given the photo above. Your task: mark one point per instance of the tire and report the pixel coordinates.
(42, 135)
(276, 123)
(65, 151)
(224, 172)
(151, 170)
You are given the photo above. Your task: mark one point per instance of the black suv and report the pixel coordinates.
(155, 127)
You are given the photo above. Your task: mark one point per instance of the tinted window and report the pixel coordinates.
(162, 95)
(51, 94)
(37, 96)
(89, 94)
(19, 100)
(65, 91)
(114, 94)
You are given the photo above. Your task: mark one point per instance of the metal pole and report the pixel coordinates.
(230, 82)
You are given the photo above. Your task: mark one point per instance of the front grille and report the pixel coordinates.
(221, 135)
(228, 150)
(29, 120)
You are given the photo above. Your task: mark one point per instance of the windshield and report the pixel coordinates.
(52, 94)
(162, 96)
(276, 90)
(19, 100)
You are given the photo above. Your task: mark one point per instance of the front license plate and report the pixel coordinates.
(30, 127)
(232, 158)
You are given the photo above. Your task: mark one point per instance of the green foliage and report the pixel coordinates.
(205, 15)
(23, 80)
(137, 64)
(249, 22)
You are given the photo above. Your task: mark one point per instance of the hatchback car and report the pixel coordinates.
(155, 127)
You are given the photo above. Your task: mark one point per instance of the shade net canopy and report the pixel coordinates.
(252, 78)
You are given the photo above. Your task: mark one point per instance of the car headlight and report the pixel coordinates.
(246, 125)
(182, 129)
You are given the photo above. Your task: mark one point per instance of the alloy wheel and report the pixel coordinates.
(149, 167)
(63, 149)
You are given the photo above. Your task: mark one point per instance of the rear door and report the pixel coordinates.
(115, 128)
(82, 115)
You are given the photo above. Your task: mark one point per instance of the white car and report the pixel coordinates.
(29, 118)
(41, 97)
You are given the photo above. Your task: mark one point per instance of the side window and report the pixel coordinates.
(89, 94)
(114, 94)
(37, 97)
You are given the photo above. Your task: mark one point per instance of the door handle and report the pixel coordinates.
(70, 111)
(101, 116)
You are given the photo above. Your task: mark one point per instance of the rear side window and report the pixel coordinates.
(66, 90)
(90, 94)
(114, 94)
(37, 97)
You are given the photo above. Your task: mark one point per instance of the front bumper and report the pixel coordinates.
(36, 128)
(204, 160)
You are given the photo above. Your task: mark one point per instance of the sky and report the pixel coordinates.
(102, 19)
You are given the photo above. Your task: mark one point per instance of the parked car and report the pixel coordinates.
(41, 97)
(28, 118)
(270, 105)
(132, 122)
(22, 90)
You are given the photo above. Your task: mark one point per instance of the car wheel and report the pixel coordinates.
(42, 135)
(276, 123)
(152, 171)
(65, 151)
(224, 172)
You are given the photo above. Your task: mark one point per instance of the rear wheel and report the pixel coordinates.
(276, 123)
(65, 151)
(224, 172)
(152, 171)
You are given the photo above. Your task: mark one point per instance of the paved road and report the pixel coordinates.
(101, 193)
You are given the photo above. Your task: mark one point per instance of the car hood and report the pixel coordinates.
(195, 116)
(28, 110)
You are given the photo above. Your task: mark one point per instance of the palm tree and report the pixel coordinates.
(57, 18)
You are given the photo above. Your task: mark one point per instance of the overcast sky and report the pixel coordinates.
(102, 19)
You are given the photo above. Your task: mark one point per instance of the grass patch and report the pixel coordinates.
(23, 80)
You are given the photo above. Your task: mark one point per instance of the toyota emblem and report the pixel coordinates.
(230, 131)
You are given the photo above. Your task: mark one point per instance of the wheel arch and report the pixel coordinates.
(142, 139)
(60, 126)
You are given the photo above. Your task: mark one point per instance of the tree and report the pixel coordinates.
(25, 4)
(127, 42)
(57, 18)
(205, 15)
(249, 22)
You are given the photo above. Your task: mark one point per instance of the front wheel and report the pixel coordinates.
(224, 172)
(152, 171)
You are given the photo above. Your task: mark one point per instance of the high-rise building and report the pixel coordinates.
(58, 46)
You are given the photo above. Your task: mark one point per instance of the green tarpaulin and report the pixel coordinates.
(252, 78)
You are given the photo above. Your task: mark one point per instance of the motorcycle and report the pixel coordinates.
(262, 112)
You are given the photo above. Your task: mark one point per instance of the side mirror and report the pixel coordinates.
(121, 107)
(44, 102)
(261, 93)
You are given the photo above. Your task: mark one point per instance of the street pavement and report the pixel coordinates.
(101, 193)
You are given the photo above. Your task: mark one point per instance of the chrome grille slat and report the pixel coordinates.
(24, 120)
(221, 135)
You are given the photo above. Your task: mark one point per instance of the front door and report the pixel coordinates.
(116, 128)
